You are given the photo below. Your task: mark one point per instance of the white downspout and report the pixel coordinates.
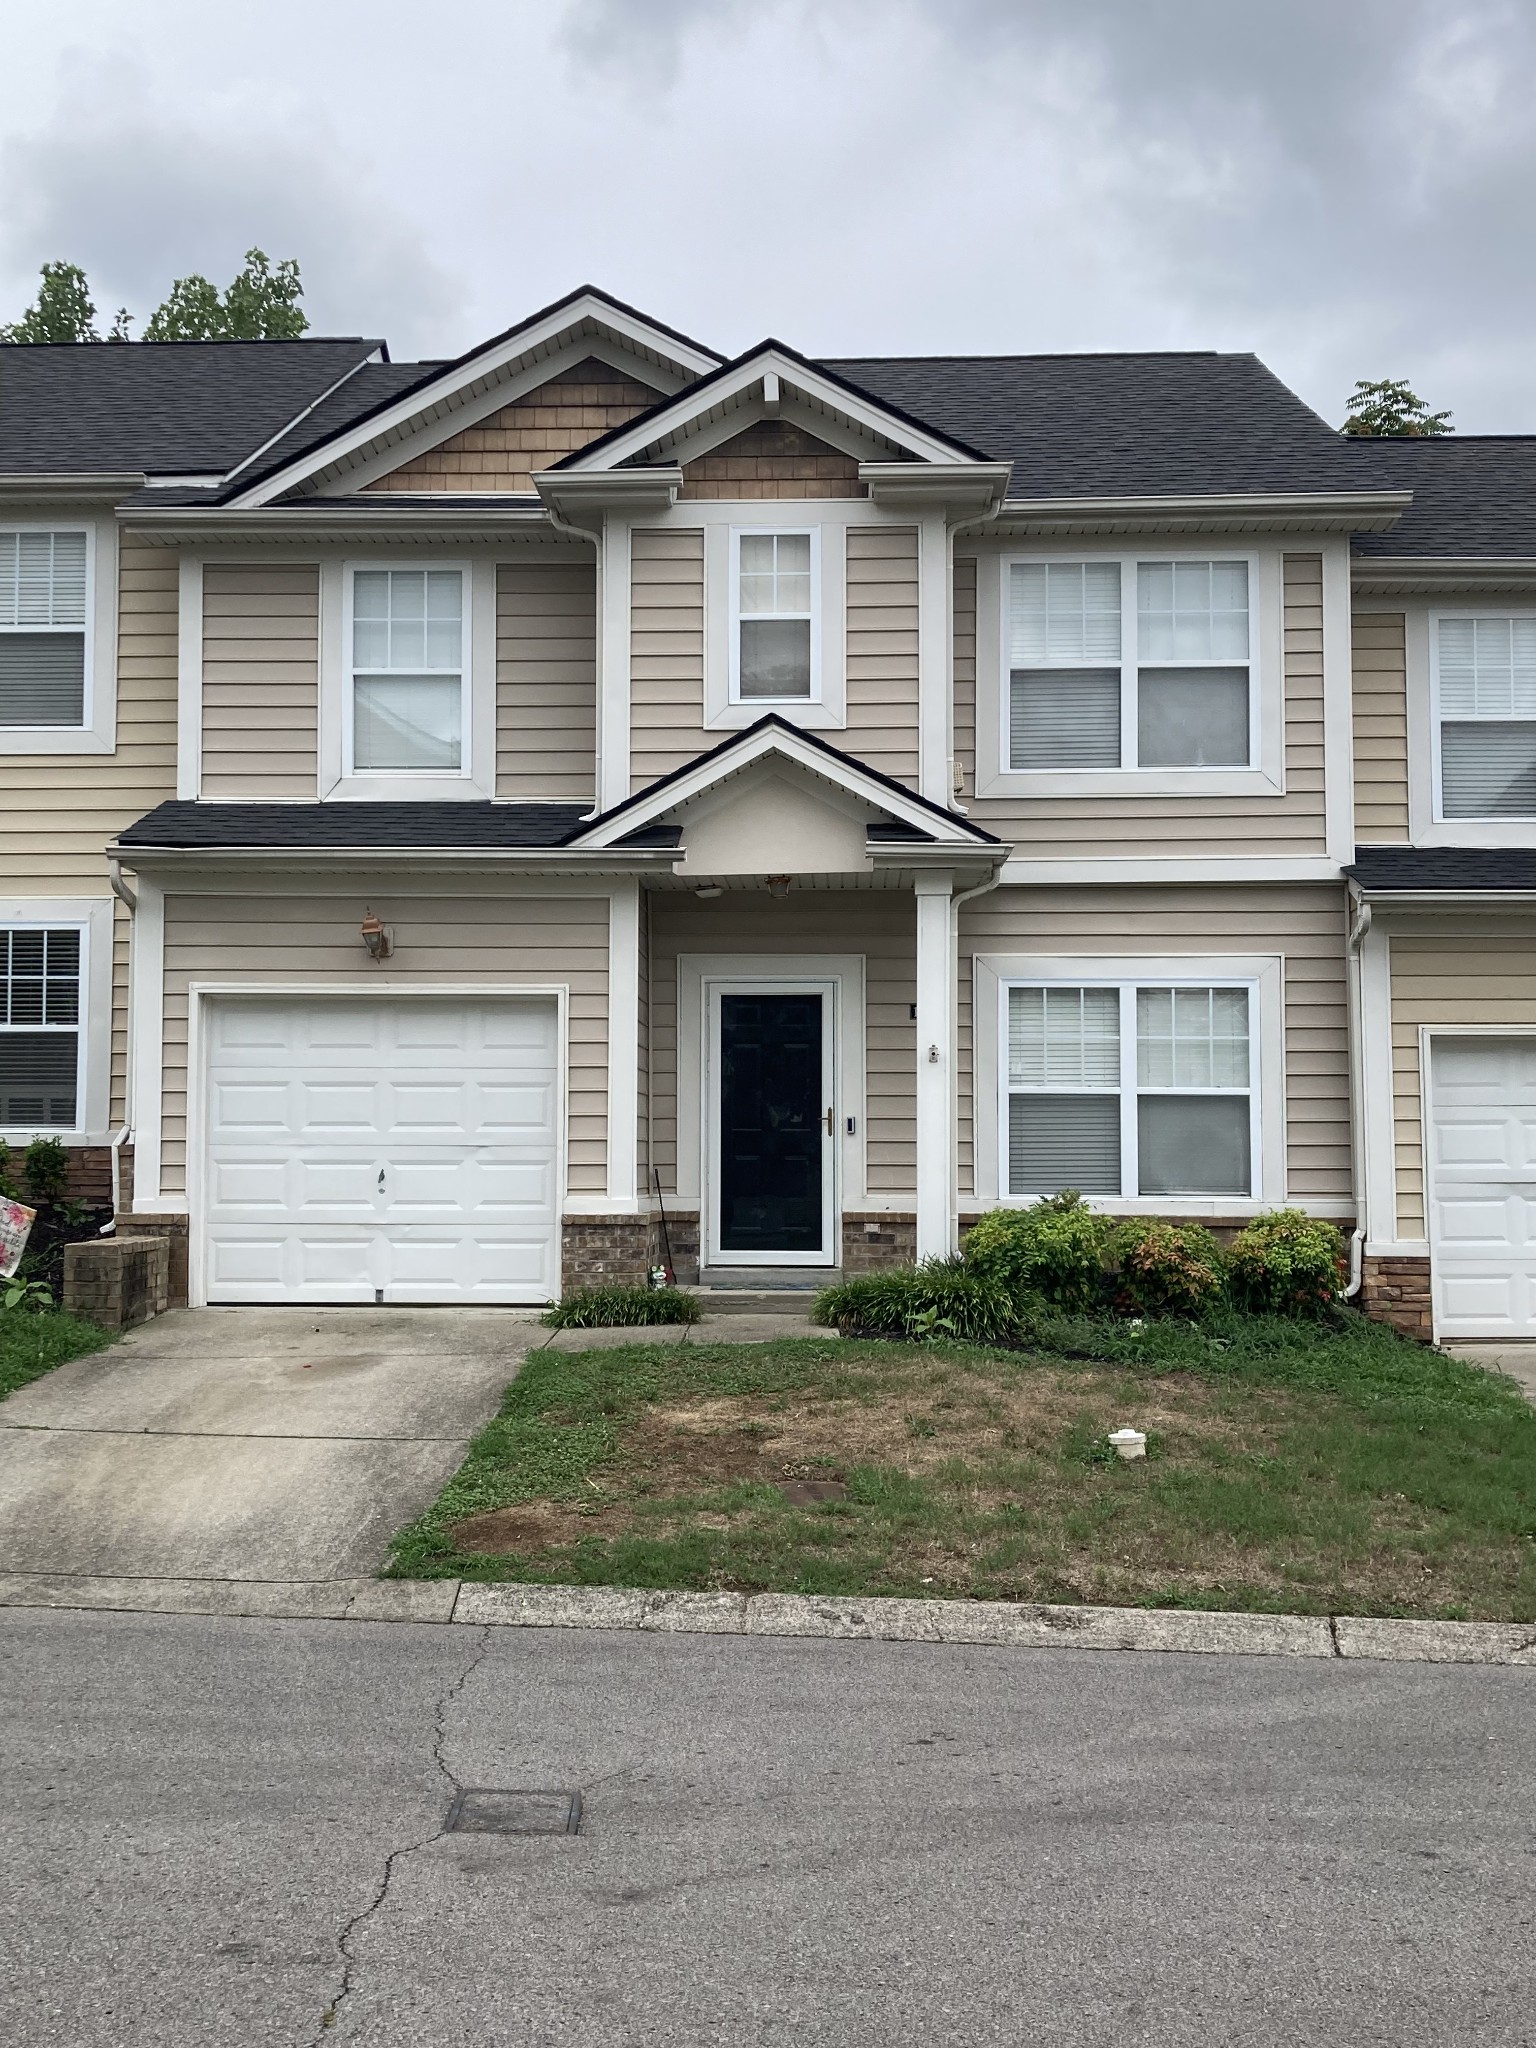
(126, 897)
(955, 903)
(1360, 924)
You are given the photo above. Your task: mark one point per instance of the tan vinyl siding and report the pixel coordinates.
(261, 681)
(546, 681)
(772, 460)
(666, 651)
(273, 940)
(507, 450)
(1381, 727)
(1447, 979)
(1191, 827)
(880, 927)
(964, 628)
(1303, 924)
(882, 649)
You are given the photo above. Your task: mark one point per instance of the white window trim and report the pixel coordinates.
(813, 694)
(1261, 974)
(1522, 831)
(92, 918)
(826, 708)
(477, 777)
(1265, 774)
(97, 730)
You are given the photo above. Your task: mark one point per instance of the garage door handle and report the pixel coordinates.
(381, 1176)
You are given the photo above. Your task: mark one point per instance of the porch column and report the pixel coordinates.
(935, 1064)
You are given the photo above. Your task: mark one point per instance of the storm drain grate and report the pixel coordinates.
(479, 1811)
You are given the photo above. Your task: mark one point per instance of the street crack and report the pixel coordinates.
(346, 1941)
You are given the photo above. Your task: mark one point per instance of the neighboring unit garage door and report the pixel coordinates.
(1481, 1142)
(397, 1149)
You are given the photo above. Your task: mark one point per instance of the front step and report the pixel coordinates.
(754, 1301)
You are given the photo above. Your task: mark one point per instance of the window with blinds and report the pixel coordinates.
(1126, 663)
(39, 1028)
(1486, 709)
(43, 579)
(408, 671)
(1130, 1090)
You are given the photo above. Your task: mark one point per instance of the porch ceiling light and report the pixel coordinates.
(377, 936)
(708, 891)
(778, 885)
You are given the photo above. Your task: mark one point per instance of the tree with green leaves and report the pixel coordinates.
(262, 304)
(64, 310)
(1385, 407)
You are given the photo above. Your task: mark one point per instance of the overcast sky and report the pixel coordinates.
(1344, 186)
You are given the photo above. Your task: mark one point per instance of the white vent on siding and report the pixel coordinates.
(1065, 718)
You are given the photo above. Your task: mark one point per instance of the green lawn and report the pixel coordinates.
(1288, 1469)
(32, 1344)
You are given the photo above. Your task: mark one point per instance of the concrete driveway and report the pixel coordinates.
(249, 1443)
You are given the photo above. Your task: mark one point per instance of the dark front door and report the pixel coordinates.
(770, 1123)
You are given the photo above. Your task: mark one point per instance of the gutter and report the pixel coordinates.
(1315, 511)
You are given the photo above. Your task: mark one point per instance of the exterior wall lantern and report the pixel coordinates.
(377, 936)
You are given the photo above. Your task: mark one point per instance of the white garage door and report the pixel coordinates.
(1482, 1185)
(392, 1150)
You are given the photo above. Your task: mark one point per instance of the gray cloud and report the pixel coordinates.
(1344, 188)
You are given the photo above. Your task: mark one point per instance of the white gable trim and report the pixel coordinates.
(788, 746)
(803, 394)
(536, 340)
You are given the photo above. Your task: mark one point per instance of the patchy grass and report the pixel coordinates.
(33, 1342)
(1288, 1468)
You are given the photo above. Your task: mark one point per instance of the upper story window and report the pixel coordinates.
(408, 710)
(1129, 664)
(40, 970)
(775, 638)
(1130, 1090)
(1485, 716)
(43, 596)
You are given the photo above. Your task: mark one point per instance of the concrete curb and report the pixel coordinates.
(998, 1623)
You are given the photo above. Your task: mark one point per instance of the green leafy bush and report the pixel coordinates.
(46, 1166)
(1055, 1249)
(609, 1308)
(940, 1298)
(1167, 1269)
(1287, 1263)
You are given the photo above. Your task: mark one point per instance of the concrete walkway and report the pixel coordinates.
(1516, 1361)
(249, 1443)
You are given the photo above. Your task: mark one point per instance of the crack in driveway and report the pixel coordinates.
(346, 1939)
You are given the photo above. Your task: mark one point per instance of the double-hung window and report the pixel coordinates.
(1485, 715)
(43, 595)
(408, 696)
(40, 1050)
(1119, 662)
(1130, 1089)
(775, 643)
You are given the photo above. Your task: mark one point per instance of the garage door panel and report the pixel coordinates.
(1482, 1185)
(382, 1149)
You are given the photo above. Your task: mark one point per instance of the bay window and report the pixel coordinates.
(43, 595)
(1130, 1089)
(1127, 663)
(1485, 715)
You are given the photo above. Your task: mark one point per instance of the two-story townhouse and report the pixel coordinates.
(591, 802)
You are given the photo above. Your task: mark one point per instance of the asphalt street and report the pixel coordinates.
(221, 1831)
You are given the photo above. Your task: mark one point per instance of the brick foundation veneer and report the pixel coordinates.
(118, 1281)
(170, 1224)
(1397, 1291)
(603, 1251)
(872, 1243)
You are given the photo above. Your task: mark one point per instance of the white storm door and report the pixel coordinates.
(402, 1149)
(1481, 1174)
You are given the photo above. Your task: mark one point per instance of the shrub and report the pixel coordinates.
(1054, 1249)
(46, 1166)
(609, 1308)
(940, 1298)
(1167, 1269)
(1287, 1263)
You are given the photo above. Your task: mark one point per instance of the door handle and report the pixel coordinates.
(831, 1123)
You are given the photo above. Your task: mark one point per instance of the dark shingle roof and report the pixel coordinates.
(352, 828)
(165, 408)
(1473, 494)
(1119, 425)
(1443, 867)
(375, 385)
